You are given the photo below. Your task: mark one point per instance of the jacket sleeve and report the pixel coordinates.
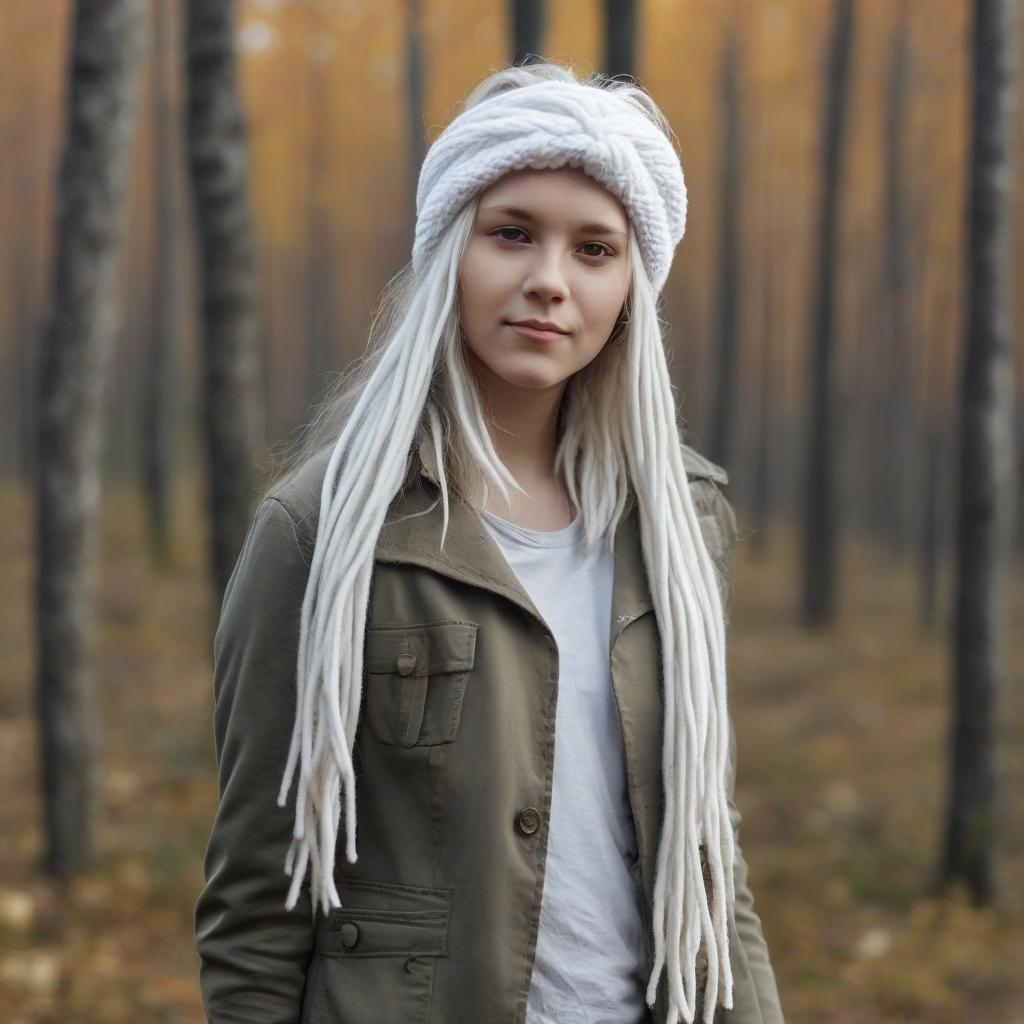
(254, 954)
(716, 506)
(748, 922)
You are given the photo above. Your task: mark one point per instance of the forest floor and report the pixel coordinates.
(841, 782)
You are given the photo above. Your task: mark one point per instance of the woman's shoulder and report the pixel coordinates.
(716, 514)
(271, 571)
(707, 479)
(700, 467)
(298, 492)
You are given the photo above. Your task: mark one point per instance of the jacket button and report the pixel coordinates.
(406, 664)
(349, 934)
(529, 820)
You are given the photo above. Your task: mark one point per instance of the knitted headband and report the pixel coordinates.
(555, 124)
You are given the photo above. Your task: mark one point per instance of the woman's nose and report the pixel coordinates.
(547, 277)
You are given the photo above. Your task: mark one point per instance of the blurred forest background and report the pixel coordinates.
(819, 335)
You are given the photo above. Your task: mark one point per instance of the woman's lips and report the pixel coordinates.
(533, 332)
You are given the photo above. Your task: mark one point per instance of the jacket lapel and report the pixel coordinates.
(412, 535)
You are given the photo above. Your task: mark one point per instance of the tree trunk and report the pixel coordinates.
(934, 315)
(929, 543)
(319, 253)
(987, 464)
(820, 533)
(767, 389)
(620, 32)
(161, 368)
(105, 57)
(529, 26)
(726, 351)
(414, 102)
(898, 424)
(231, 409)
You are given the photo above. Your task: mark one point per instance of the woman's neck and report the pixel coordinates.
(523, 425)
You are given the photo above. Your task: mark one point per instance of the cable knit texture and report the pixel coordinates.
(549, 125)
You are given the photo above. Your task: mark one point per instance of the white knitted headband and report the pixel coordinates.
(555, 124)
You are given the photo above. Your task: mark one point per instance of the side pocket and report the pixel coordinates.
(379, 951)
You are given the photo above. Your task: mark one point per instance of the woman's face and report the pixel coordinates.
(547, 245)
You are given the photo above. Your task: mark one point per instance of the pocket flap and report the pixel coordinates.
(424, 649)
(386, 919)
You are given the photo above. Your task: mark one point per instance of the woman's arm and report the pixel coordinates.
(748, 922)
(254, 952)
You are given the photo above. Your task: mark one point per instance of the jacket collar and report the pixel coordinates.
(412, 535)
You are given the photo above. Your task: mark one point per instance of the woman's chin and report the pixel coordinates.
(533, 371)
(533, 378)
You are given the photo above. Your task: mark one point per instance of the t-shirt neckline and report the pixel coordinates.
(563, 538)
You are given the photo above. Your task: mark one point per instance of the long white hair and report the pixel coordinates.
(617, 431)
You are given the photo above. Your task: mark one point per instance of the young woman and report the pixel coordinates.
(485, 602)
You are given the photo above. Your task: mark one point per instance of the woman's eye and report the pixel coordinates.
(500, 231)
(504, 235)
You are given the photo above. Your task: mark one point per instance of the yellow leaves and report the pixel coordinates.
(35, 972)
(17, 910)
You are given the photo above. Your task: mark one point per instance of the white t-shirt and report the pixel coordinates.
(592, 948)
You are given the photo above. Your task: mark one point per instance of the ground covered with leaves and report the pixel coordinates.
(842, 777)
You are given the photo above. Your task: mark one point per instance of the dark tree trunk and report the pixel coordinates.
(319, 252)
(105, 57)
(414, 100)
(875, 375)
(820, 532)
(935, 489)
(987, 464)
(726, 350)
(897, 424)
(932, 495)
(25, 331)
(231, 407)
(767, 390)
(861, 354)
(161, 368)
(620, 38)
(528, 29)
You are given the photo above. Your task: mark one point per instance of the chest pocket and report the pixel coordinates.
(416, 680)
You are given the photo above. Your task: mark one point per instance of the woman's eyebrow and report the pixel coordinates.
(594, 228)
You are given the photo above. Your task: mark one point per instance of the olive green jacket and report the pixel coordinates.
(454, 756)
